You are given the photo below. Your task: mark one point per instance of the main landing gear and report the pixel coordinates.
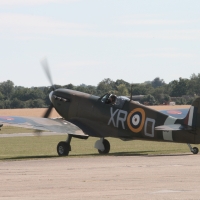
(103, 146)
(64, 147)
(194, 150)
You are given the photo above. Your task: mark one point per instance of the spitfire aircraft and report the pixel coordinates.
(84, 115)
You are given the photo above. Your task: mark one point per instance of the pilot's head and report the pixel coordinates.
(113, 99)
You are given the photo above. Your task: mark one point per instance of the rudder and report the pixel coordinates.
(192, 119)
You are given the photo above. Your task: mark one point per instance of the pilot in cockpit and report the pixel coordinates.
(112, 99)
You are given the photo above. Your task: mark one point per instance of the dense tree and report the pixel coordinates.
(7, 88)
(142, 89)
(149, 100)
(179, 88)
(69, 86)
(91, 90)
(122, 90)
(122, 82)
(1, 96)
(181, 101)
(1, 105)
(16, 103)
(156, 91)
(106, 85)
(35, 103)
(158, 94)
(194, 85)
(166, 99)
(157, 82)
(7, 104)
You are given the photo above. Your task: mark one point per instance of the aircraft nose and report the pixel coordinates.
(50, 96)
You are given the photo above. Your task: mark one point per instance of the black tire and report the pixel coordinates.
(63, 148)
(195, 150)
(106, 146)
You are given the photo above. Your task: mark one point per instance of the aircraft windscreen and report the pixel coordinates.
(104, 98)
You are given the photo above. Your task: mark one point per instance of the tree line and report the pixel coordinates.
(155, 92)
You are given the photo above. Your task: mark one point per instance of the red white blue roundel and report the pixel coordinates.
(135, 120)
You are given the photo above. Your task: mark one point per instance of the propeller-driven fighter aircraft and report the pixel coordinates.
(84, 115)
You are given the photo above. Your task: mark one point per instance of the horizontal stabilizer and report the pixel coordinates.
(172, 127)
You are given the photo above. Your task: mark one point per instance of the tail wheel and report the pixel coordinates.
(195, 150)
(106, 147)
(63, 148)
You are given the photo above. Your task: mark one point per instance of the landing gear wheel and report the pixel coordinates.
(195, 150)
(63, 148)
(106, 146)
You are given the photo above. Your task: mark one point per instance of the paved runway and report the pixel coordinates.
(102, 177)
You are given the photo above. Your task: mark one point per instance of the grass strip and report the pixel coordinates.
(45, 147)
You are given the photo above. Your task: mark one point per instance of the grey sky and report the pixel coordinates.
(86, 41)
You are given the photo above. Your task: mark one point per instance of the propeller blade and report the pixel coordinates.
(48, 112)
(45, 66)
(37, 133)
(46, 115)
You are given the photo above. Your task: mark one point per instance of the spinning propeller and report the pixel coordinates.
(45, 66)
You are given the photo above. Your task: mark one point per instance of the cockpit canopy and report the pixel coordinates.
(114, 100)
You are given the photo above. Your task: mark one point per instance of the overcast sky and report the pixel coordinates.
(86, 41)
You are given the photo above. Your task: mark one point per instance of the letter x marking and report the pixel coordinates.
(112, 116)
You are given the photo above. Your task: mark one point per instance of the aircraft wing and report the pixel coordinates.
(177, 113)
(58, 125)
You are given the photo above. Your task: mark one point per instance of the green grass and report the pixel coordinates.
(45, 147)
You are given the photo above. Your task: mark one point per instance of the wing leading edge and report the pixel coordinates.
(57, 125)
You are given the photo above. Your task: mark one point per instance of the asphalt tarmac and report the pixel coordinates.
(102, 177)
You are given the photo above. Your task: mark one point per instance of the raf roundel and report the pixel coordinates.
(135, 120)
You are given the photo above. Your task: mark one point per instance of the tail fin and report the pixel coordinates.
(190, 123)
(193, 117)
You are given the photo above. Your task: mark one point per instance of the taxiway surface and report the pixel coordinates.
(102, 177)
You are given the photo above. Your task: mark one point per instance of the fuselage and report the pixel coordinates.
(126, 120)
